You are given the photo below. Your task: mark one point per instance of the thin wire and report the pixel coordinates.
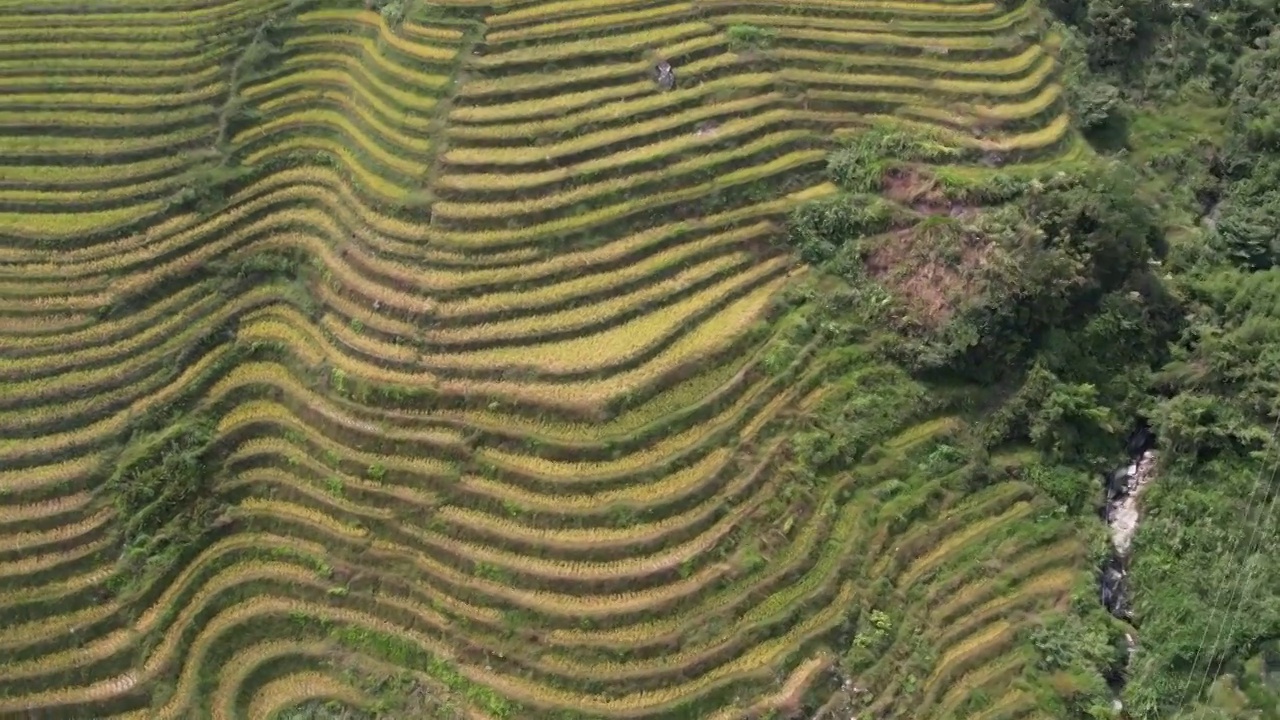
(1214, 606)
(1249, 576)
(1151, 667)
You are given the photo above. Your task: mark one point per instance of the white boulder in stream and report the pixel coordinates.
(1122, 511)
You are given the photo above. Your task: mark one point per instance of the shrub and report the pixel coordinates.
(859, 165)
(161, 492)
(820, 229)
(744, 37)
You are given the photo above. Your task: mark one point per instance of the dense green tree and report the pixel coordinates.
(1248, 228)
(1070, 249)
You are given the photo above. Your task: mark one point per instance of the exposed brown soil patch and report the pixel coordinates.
(918, 189)
(931, 281)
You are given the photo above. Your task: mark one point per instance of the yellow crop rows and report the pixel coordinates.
(478, 331)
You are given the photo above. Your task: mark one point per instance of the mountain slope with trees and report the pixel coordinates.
(1141, 284)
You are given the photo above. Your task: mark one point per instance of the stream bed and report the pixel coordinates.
(1122, 512)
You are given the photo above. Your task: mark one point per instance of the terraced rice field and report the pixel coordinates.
(515, 432)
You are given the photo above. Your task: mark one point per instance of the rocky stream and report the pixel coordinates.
(1123, 487)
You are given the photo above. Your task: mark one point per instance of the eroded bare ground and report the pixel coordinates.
(932, 283)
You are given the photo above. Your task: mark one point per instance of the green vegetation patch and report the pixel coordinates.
(743, 37)
(162, 493)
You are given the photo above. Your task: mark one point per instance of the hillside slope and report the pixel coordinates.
(438, 363)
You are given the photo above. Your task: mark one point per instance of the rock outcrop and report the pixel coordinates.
(1122, 510)
(1124, 487)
